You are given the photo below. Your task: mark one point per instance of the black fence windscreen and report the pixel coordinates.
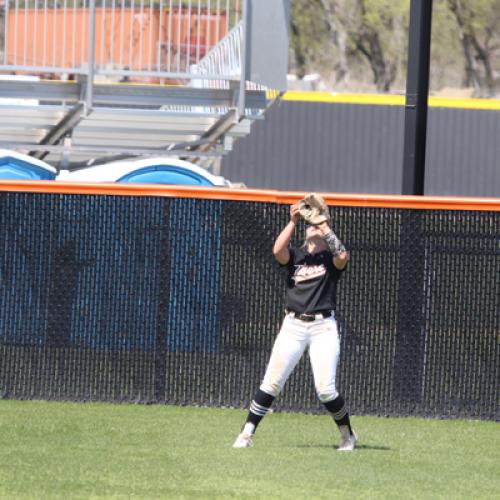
(172, 300)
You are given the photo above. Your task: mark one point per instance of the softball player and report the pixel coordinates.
(313, 272)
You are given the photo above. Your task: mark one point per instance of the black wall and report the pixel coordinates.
(353, 148)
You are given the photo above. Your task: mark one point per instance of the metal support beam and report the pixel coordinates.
(129, 151)
(267, 43)
(244, 59)
(139, 96)
(90, 74)
(217, 130)
(54, 135)
(417, 91)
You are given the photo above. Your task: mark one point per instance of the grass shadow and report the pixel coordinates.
(358, 447)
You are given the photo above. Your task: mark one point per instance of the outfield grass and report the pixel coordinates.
(70, 450)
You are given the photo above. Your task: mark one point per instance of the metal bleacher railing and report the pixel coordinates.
(147, 39)
(177, 64)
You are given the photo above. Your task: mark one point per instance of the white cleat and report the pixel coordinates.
(244, 440)
(347, 443)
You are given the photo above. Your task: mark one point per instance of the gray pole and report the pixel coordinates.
(90, 73)
(244, 58)
(417, 92)
(410, 333)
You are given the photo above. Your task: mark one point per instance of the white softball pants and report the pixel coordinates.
(322, 338)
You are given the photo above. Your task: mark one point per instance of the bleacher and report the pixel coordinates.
(88, 83)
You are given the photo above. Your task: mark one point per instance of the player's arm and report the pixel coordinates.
(280, 248)
(341, 260)
(340, 254)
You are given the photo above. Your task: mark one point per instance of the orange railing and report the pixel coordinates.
(258, 195)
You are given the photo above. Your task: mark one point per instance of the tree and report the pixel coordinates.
(308, 37)
(338, 38)
(298, 50)
(366, 41)
(478, 24)
(369, 30)
(376, 30)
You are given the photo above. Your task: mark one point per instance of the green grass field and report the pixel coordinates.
(94, 450)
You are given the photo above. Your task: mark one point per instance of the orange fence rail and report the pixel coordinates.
(258, 195)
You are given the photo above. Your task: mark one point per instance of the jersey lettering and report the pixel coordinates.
(311, 281)
(304, 272)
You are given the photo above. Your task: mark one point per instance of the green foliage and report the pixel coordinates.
(478, 28)
(465, 43)
(446, 53)
(64, 451)
(379, 15)
(309, 36)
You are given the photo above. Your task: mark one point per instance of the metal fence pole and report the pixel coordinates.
(417, 91)
(244, 58)
(91, 60)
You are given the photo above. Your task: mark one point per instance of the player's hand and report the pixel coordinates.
(294, 213)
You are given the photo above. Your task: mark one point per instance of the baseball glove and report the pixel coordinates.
(313, 209)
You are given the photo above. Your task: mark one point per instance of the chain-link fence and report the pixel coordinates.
(178, 300)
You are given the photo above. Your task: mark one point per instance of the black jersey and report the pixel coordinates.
(311, 281)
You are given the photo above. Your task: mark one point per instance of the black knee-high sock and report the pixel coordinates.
(259, 407)
(338, 411)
